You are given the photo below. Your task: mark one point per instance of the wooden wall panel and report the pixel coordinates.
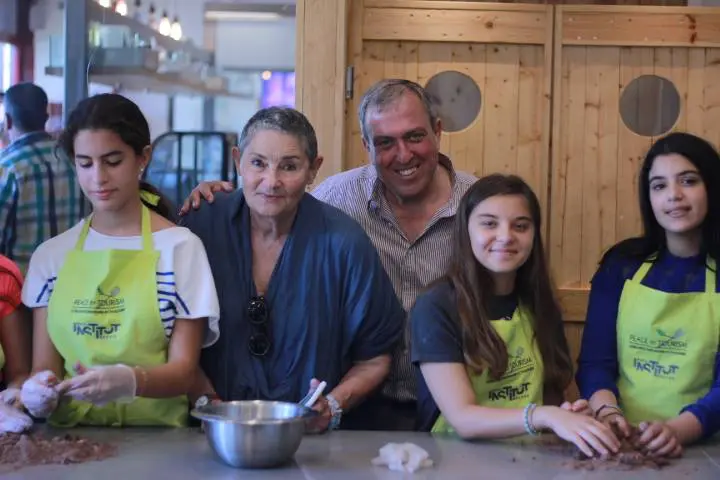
(512, 70)
(508, 134)
(596, 157)
(320, 75)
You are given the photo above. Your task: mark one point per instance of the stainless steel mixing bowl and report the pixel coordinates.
(254, 434)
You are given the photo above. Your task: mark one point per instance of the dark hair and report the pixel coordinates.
(653, 239)
(110, 111)
(473, 284)
(284, 120)
(27, 106)
(388, 91)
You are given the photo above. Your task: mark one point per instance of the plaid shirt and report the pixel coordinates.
(39, 196)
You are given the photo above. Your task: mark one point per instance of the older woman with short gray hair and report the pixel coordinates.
(303, 295)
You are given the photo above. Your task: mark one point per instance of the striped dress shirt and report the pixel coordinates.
(39, 196)
(411, 265)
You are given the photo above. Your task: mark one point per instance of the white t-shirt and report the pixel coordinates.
(185, 284)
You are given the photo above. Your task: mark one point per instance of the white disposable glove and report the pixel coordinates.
(101, 385)
(39, 394)
(12, 420)
(10, 396)
(403, 457)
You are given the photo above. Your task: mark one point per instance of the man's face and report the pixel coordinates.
(403, 146)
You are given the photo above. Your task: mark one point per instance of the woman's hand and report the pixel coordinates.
(101, 385)
(319, 422)
(13, 420)
(659, 439)
(581, 407)
(588, 434)
(617, 422)
(39, 394)
(11, 396)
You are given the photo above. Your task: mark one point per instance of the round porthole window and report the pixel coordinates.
(650, 105)
(457, 98)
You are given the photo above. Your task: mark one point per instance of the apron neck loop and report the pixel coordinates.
(710, 272)
(147, 240)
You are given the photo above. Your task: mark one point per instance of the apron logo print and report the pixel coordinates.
(103, 303)
(655, 368)
(509, 392)
(96, 330)
(113, 293)
(518, 363)
(661, 342)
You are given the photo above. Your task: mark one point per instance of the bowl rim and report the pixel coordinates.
(210, 417)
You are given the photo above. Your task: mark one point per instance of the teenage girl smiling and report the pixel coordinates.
(488, 337)
(649, 352)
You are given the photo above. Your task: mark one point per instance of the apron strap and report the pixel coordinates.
(147, 239)
(710, 276)
(83, 233)
(643, 270)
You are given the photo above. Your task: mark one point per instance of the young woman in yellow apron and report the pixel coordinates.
(14, 348)
(123, 301)
(488, 337)
(649, 353)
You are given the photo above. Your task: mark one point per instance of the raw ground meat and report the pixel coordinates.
(22, 450)
(628, 458)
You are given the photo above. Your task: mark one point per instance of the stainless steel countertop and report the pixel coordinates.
(185, 454)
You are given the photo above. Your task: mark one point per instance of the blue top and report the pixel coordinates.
(330, 301)
(598, 362)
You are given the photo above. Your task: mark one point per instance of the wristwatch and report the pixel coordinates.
(335, 411)
(206, 399)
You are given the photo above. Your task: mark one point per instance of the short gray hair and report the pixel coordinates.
(284, 120)
(386, 92)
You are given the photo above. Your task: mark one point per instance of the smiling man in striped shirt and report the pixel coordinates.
(405, 199)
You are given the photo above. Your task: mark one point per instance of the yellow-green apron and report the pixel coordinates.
(103, 311)
(523, 380)
(667, 344)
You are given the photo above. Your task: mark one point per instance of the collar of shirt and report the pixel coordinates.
(27, 139)
(376, 199)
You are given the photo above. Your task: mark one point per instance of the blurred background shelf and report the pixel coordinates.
(145, 80)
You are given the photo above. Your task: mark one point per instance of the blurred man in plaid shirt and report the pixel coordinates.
(39, 194)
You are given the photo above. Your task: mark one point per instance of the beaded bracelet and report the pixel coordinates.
(607, 405)
(527, 413)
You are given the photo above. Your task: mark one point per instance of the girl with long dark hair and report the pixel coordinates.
(124, 301)
(649, 352)
(488, 337)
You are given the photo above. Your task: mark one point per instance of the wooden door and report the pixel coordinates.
(504, 48)
(599, 53)
(597, 150)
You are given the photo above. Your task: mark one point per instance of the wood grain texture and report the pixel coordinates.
(320, 75)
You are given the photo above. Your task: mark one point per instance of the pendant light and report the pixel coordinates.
(164, 27)
(121, 7)
(137, 11)
(176, 32)
(152, 20)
